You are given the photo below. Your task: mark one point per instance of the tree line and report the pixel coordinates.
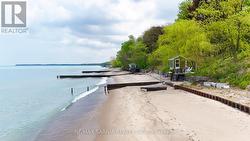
(213, 33)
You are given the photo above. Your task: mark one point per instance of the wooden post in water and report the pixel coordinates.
(72, 91)
(105, 90)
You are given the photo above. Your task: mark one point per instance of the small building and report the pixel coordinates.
(179, 66)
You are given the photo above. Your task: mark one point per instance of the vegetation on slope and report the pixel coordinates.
(213, 33)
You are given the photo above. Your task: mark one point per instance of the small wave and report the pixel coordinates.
(63, 109)
(82, 95)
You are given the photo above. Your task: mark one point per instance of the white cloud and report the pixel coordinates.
(72, 28)
(129, 10)
(71, 40)
(43, 11)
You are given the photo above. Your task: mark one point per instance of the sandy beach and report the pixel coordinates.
(130, 114)
(234, 94)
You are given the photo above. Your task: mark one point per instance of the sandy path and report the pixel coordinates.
(172, 115)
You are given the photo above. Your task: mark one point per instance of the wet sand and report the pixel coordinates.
(130, 114)
(70, 124)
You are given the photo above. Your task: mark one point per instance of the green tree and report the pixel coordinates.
(215, 10)
(139, 54)
(184, 10)
(150, 38)
(213, 33)
(231, 36)
(184, 38)
(132, 51)
(124, 55)
(187, 38)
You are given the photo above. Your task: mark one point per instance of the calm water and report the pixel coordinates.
(31, 96)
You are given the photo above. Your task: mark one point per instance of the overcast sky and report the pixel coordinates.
(82, 31)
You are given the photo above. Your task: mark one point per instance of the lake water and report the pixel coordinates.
(31, 96)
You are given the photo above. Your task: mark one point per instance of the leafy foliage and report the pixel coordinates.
(150, 38)
(132, 51)
(184, 10)
(184, 38)
(213, 33)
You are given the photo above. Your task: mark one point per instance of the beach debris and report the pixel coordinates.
(216, 85)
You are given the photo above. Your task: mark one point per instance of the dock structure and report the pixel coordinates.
(120, 85)
(157, 87)
(101, 71)
(90, 75)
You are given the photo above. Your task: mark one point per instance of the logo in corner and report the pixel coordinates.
(13, 17)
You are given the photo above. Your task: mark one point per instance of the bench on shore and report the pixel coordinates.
(157, 87)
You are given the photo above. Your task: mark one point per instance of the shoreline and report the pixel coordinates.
(130, 114)
(81, 115)
(69, 124)
(29, 103)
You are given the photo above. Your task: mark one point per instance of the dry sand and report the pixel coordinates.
(172, 115)
(233, 94)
